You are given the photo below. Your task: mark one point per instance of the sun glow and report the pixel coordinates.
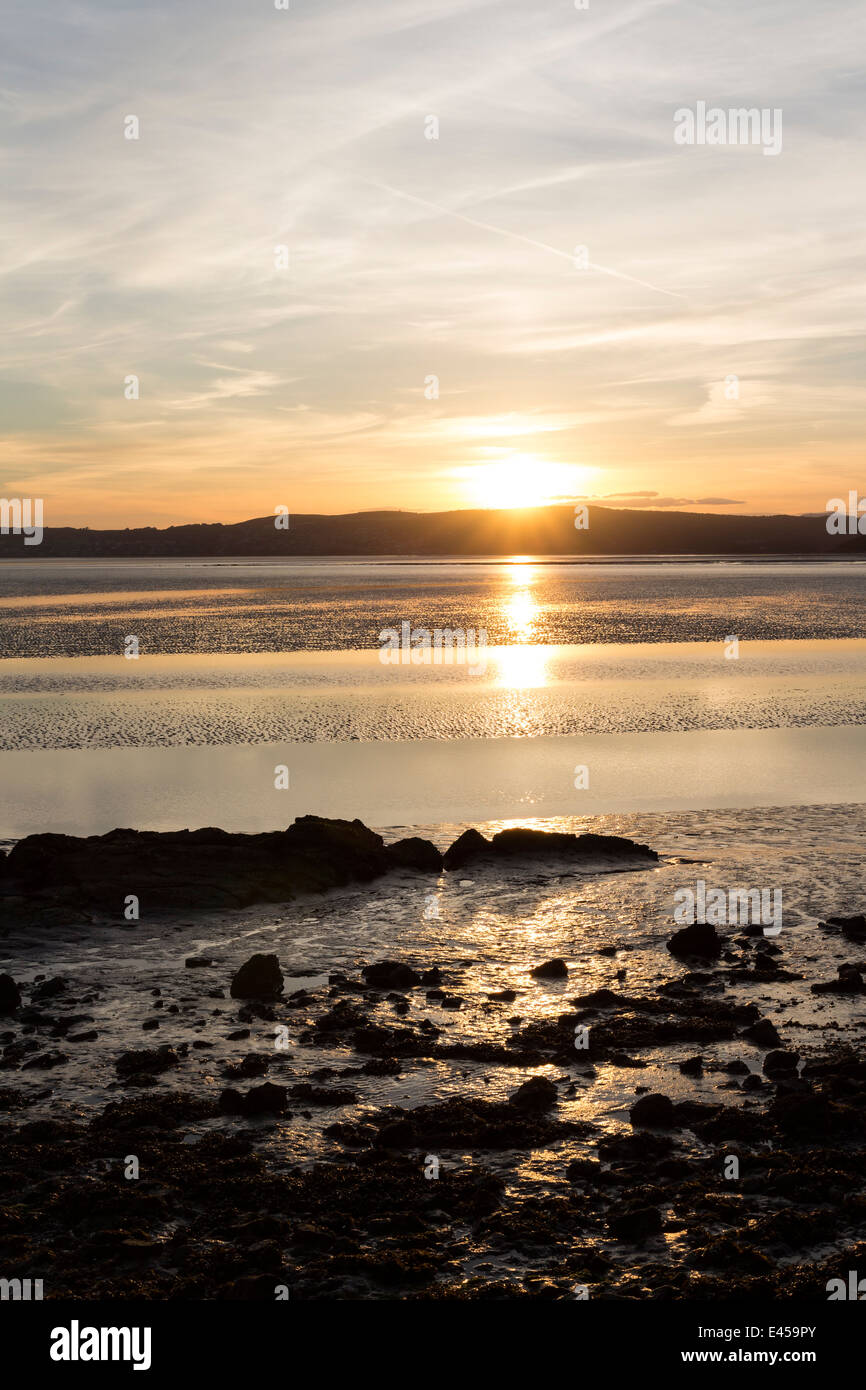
(524, 480)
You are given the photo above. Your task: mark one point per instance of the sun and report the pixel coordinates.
(525, 480)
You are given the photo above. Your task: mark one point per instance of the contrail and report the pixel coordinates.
(527, 241)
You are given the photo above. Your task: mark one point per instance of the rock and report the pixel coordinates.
(10, 995)
(762, 1034)
(323, 1095)
(538, 1093)
(390, 974)
(555, 969)
(692, 1066)
(752, 1083)
(266, 1099)
(415, 853)
(253, 1064)
(850, 981)
(653, 1112)
(146, 1061)
(470, 845)
(433, 976)
(45, 1060)
(258, 978)
(635, 1222)
(520, 843)
(504, 996)
(778, 1062)
(600, 999)
(198, 962)
(700, 939)
(48, 989)
(197, 868)
(852, 928)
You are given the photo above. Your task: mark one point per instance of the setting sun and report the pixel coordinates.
(524, 480)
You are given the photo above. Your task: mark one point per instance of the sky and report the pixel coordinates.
(552, 300)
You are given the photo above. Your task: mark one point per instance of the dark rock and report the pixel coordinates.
(470, 845)
(555, 969)
(415, 853)
(700, 939)
(538, 1093)
(10, 995)
(323, 1095)
(197, 962)
(692, 1066)
(48, 989)
(600, 999)
(198, 868)
(251, 1065)
(520, 843)
(653, 1112)
(852, 928)
(762, 1034)
(778, 1062)
(258, 978)
(635, 1222)
(850, 981)
(146, 1062)
(46, 1060)
(266, 1099)
(390, 974)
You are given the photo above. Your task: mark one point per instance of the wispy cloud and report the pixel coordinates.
(551, 276)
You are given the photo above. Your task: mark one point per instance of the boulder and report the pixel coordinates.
(146, 1062)
(634, 1222)
(779, 1063)
(258, 978)
(700, 939)
(653, 1112)
(520, 843)
(470, 845)
(10, 995)
(852, 928)
(390, 974)
(555, 969)
(538, 1093)
(415, 853)
(850, 981)
(762, 1034)
(266, 1099)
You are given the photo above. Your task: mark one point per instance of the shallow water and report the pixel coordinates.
(73, 608)
(172, 741)
(487, 928)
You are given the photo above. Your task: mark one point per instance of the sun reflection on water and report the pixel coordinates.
(522, 664)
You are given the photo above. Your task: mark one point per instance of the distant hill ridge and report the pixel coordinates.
(537, 531)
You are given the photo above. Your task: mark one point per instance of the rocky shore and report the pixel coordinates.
(247, 1152)
(55, 878)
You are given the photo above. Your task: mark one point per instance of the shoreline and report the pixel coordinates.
(309, 1165)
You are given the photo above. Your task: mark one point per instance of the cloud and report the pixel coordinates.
(411, 258)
